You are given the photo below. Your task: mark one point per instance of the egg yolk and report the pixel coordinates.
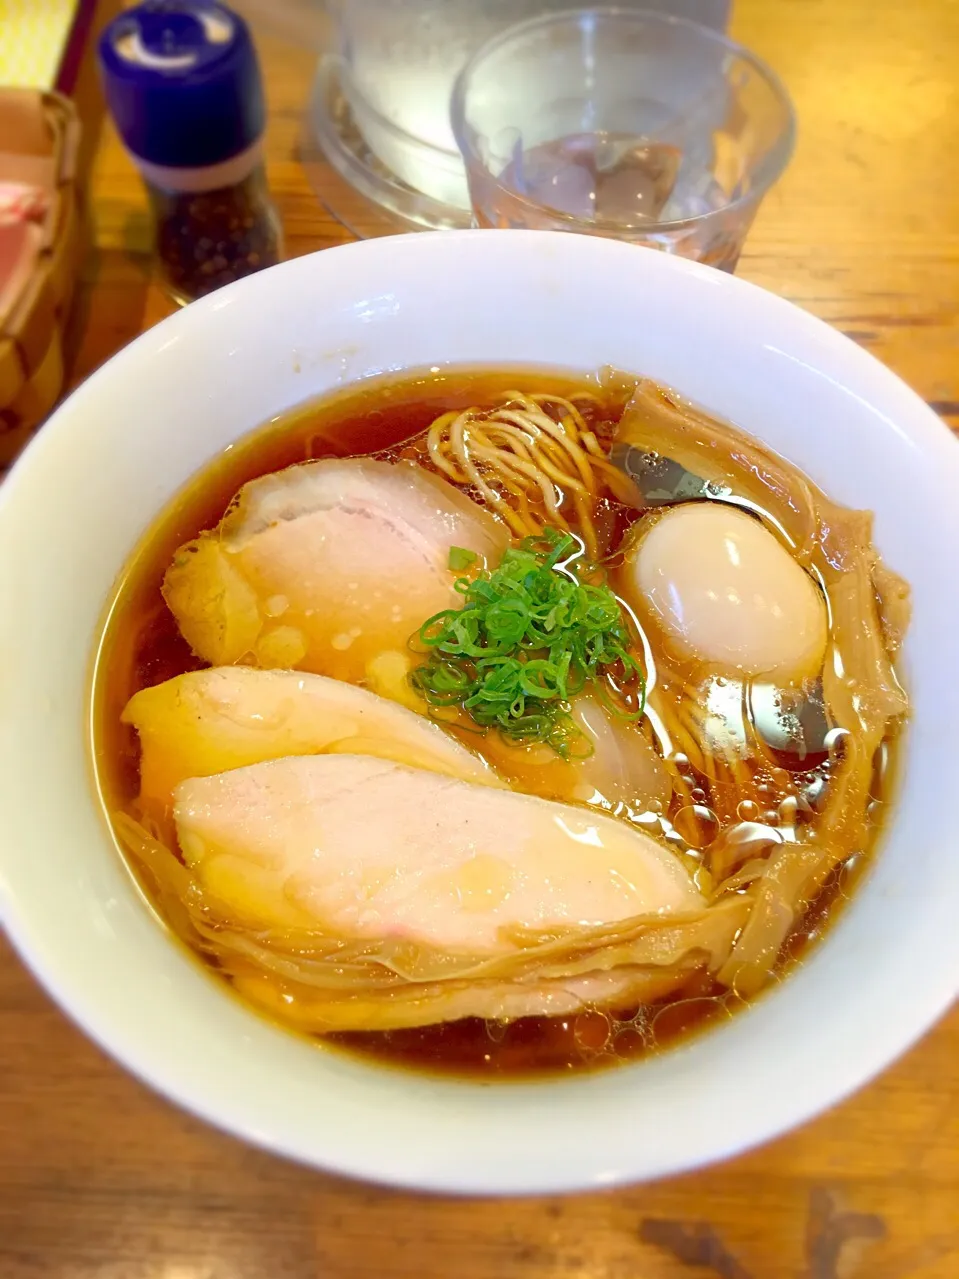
(723, 590)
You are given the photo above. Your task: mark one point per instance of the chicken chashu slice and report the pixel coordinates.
(373, 851)
(619, 766)
(325, 565)
(622, 766)
(213, 720)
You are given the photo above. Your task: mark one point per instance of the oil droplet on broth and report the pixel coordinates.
(697, 825)
(592, 1031)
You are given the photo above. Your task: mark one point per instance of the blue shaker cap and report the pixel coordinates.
(182, 82)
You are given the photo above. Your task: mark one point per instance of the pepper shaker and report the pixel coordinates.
(183, 86)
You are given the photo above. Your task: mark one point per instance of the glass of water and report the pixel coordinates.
(629, 124)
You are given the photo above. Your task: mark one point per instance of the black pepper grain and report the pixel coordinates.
(211, 238)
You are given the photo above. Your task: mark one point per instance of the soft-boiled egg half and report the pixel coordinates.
(722, 590)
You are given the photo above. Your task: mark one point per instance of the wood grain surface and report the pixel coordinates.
(99, 1179)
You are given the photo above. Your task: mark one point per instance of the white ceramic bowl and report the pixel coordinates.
(125, 442)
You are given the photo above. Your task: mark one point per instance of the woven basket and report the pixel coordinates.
(39, 140)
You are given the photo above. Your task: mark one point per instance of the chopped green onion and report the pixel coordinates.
(530, 636)
(460, 559)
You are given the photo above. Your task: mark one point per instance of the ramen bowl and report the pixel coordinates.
(126, 441)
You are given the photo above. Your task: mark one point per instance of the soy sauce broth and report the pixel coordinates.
(142, 646)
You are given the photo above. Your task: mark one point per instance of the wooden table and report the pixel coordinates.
(99, 1179)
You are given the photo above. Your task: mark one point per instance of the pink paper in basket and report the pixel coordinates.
(20, 202)
(22, 209)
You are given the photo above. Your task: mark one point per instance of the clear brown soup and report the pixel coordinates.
(143, 647)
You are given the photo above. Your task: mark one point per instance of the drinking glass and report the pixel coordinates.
(637, 125)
